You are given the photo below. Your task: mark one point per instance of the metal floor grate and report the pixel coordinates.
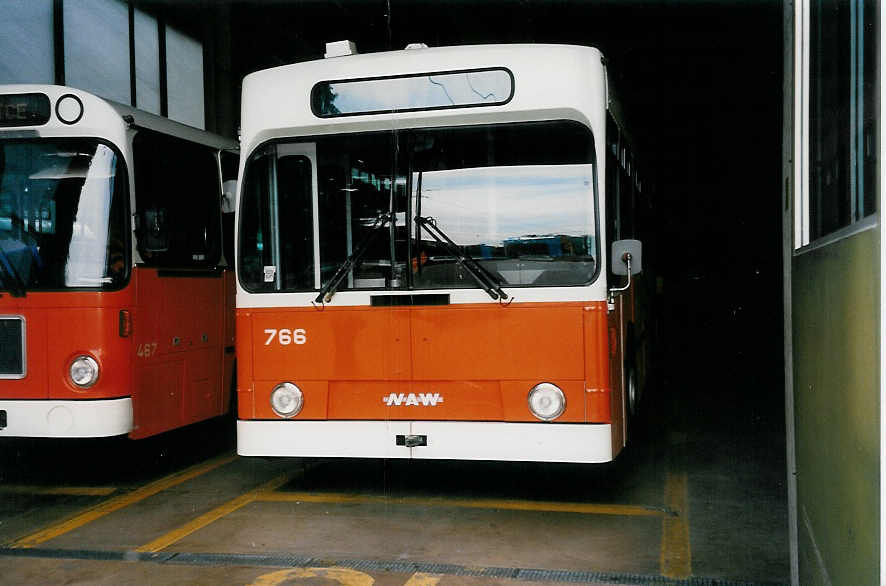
(284, 560)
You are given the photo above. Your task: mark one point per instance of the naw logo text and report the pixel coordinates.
(420, 399)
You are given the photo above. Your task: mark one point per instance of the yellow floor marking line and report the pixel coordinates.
(422, 579)
(511, 505)
(675, 560)
(119, 502)
(342, 576)
(58, 490)
(205, 519)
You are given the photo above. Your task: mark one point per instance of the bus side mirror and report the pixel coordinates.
(627, 254)
(153, 230)
(229, 192)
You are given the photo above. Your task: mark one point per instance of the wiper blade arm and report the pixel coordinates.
(475, 269)
(329, 288)
(13, 281)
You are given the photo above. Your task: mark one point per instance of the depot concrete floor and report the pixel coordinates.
(696, 497)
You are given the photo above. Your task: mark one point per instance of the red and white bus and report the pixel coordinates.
(426, 247)
(116, 305)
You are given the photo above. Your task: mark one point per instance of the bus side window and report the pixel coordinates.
(626, 197)
(613, 169)
(620, 190)
(178, 207)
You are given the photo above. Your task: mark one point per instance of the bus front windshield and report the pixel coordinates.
(416, 209)
(62, 215)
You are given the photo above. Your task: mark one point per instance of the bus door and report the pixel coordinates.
(178, 321)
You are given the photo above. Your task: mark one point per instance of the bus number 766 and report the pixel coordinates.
(286, 337)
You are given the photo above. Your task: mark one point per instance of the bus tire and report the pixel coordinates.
(631, 385)
(632, 391)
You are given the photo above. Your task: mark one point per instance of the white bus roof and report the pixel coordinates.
(104, 118)
(550, 82)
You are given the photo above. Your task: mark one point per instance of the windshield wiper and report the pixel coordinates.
(13, 281)
(488, 282)
(328, 290)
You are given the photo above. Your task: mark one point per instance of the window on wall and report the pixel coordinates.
(26, 42)
(184, 74)
(107, 47)
(843, 114)
(147, 62)
(97, 47)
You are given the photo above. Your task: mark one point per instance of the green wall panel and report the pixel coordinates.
(836, 410)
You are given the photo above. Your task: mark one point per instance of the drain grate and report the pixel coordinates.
(284, 560)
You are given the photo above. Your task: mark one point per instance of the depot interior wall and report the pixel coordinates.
(836, 410)
(168, 59)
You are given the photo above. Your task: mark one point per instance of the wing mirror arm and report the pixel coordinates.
(616, 291)
(627, 259)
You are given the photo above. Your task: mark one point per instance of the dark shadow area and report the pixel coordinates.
(617, 482)
(117, 461)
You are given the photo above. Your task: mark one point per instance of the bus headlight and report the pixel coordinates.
(547, 401)
(286, 400)
(84, 371)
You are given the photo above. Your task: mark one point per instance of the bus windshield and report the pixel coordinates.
(517, 199)
(62, 215)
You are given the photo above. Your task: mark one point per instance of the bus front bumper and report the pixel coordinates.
(60, 419)
(457, 440)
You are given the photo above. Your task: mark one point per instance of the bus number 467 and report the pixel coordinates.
(286, 337)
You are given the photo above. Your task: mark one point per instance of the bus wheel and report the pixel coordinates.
(631, 391)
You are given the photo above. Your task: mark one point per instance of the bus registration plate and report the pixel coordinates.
(412, 441)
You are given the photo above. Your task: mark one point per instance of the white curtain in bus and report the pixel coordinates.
(87, 255)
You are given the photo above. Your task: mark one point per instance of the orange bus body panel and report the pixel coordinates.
(494, 342)
(59, 327)
(477, 361)
(599, 390)
(173, 364)
(179, 327)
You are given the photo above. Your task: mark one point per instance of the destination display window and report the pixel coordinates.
(407, 93)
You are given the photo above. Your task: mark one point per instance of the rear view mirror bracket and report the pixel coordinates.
(626, 259)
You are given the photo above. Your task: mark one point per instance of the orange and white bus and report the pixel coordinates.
(426, 247)
(116, 307)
